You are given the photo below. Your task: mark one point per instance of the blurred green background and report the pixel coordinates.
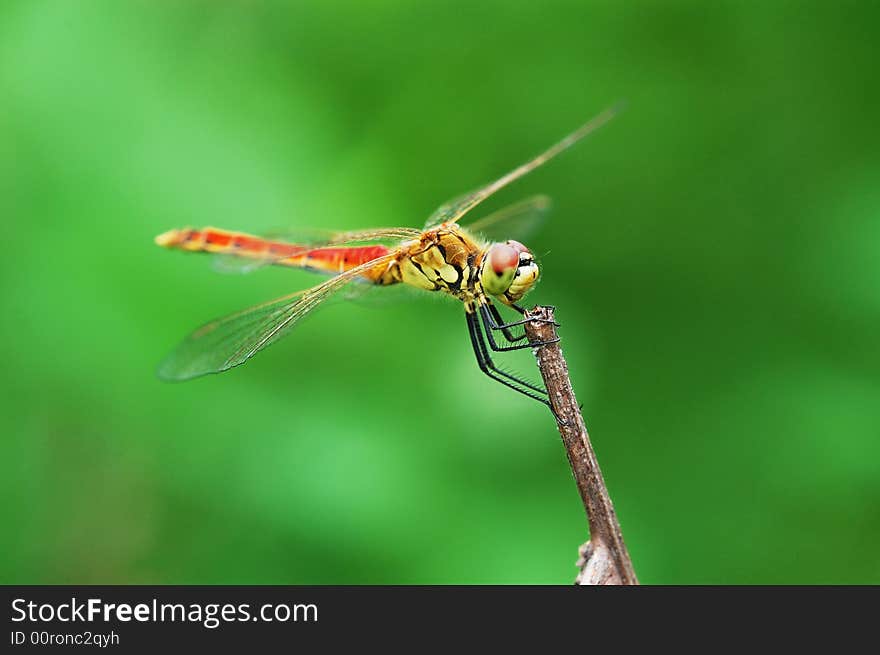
(713, 253)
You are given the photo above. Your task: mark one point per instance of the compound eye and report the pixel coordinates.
(524, 255)
(502, 258)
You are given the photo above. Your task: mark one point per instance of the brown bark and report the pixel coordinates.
(604, 559)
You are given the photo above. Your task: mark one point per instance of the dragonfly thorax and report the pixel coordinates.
(508, 271)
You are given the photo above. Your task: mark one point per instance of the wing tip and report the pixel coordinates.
(620, 106)
(542, 201)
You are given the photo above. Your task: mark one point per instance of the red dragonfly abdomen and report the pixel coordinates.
(335, 260)
(326, 260)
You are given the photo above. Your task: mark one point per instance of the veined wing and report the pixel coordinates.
(231, 341)
(517, 221)
(327, 238)
(455, 209)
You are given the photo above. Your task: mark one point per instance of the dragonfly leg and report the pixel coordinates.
(495, 322)
(522, 311)
(502, 325)
(488, 367)
(489, 322)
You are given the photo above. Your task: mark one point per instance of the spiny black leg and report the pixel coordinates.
(500, 325)
(484, 357)
(497, 323)
(522, 311)
(485, 363)
(488, 367)
(491, 325)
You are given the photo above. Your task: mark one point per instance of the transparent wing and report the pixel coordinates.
(518, 221)
(326, 238)
(455, 209)
(231, 341)
(236, 265)
(290, 242)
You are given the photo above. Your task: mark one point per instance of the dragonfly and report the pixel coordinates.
(443, 257)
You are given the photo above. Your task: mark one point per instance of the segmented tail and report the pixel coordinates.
(327, 260)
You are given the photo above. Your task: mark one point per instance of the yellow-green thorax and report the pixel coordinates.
(449, 259)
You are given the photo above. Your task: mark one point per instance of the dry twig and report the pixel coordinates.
(604, 559)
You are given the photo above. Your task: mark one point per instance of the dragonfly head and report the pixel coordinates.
(508, 271)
